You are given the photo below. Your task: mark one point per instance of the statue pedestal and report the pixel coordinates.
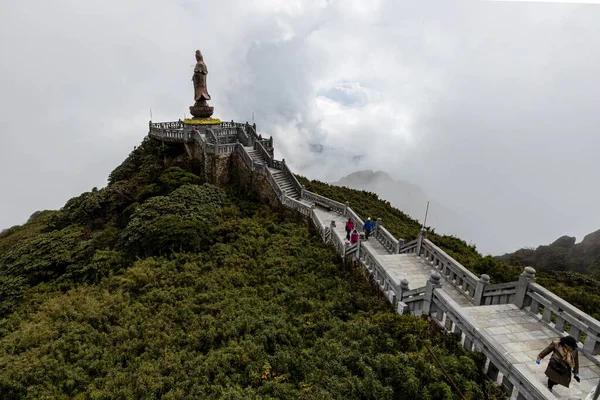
(201, 111)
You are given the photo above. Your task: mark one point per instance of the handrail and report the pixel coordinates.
(243, 137)
(296, 205)
(388, 281)
(292, 178)
(451, 266)
(409, 247)
(167, 125)
(338, 243)
(581, 323)
(499, 286)
(386, 239)
(263, 152)
(168, 134)
(322, 200)
(245, 156)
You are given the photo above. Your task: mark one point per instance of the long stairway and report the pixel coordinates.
(280, 177)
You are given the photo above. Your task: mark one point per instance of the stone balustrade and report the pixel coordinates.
(323, 201)
(380, 275)
(296, 205)
(501, 293)
(243, 137)
(292, 178)
(386, 239)
(273, 183)
(409, 248)
(245, 156)
(166, 125)
(549, 307)
(170, 135)
(414, 300)
(264, 153)
(447, 313)
(452, 270)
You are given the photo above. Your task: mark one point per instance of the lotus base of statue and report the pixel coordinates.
(201, 110)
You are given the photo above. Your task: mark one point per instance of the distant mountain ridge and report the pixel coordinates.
(411, 199)
(563, 254)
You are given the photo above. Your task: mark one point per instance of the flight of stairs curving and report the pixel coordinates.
(280, 178)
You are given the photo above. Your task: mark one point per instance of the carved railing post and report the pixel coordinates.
(526, 277)
(331, 230)
(480, 288)
(399, 245)
(377, 224)
(403, 287)
(420, 241)
(434, 282)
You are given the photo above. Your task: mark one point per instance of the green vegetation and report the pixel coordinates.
(158, 286)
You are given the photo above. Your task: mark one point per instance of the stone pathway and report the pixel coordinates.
(515, 333)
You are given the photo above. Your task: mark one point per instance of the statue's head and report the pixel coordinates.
(198, 55)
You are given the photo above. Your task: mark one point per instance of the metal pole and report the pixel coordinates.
(426, 212)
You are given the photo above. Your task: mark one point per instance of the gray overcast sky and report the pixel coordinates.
(490, 107)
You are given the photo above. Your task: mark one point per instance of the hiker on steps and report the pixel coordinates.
(354, 237)
(563, 361)
(368, 228)
(349, 228)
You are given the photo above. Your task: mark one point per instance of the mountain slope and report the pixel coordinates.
(564, 254)
(161, 286)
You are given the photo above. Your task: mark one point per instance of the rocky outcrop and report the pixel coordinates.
(563, 254)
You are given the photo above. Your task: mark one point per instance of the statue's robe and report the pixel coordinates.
(199, 78)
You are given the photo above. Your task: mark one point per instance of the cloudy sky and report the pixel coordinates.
(492, 108)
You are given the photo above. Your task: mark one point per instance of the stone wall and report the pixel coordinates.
(248, 180)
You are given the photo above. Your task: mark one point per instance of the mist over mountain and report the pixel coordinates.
(412, 200)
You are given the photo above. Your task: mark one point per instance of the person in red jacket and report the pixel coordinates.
(349, 227)
(354, 237)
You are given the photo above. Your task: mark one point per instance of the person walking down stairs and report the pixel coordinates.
(354, 237)
(349, 228)
(368, 228)
(563, 362)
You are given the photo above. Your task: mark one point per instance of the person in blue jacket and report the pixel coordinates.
(368, 228)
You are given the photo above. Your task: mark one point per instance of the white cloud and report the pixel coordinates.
(489, 107)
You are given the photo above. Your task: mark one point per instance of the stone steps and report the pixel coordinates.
(286, 185)
(256, 156)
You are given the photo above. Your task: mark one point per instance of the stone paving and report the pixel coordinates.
(515, 333)
(520, 337)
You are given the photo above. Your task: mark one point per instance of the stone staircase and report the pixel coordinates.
(280, 178)
(285, 184)
(256, 156)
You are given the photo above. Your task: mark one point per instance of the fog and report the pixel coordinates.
(489, 107)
